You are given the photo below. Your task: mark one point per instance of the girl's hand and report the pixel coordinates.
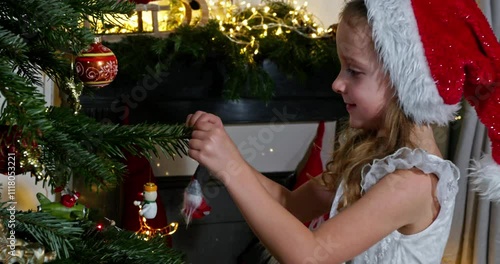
(212, 147)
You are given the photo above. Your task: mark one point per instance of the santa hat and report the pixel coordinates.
(436, 52)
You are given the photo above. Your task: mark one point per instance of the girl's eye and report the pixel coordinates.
(352, 72)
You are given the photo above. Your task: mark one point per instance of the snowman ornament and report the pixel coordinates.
(148, 207)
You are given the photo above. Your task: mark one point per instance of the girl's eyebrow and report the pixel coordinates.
(354, 61)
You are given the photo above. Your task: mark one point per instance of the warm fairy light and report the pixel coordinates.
(264, 20)
(30, 159)
(169, 15)
(147, 232)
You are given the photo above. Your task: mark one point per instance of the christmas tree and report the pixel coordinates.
(58, 143)
(41, 38)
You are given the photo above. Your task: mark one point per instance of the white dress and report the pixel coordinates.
(428, 245)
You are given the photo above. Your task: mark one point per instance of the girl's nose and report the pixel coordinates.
(338, 85)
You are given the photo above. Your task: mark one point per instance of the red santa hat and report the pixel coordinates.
(436, 52)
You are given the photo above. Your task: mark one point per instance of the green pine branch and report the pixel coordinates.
(23, 105)
(112, 139)
(81, 242)
(54, 233)
(82, 147)
(112, 245)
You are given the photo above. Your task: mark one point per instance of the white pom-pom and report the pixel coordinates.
(485, 178)
(192, 199)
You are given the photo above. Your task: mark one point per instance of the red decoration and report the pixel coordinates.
(10, 151)
(194, 205)
(139, 173)
(202, 210)
(69, 200)
(313, 168)
(97, 66)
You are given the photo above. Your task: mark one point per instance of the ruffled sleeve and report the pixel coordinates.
(406, 158)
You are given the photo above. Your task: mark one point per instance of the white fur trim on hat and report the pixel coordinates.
(402, 54)
(485, 177)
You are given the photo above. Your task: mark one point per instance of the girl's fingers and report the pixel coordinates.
(195, 144)
(198, 134)
(194, 117)
(194, 154)
(204, 126)
(210, 118)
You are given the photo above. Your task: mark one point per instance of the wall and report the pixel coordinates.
(268, 147)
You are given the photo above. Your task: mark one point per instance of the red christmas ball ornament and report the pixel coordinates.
(97, 66)
(68, 200)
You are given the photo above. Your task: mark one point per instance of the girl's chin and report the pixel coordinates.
(358, 124)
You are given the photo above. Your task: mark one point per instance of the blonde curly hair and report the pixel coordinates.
(355, 148)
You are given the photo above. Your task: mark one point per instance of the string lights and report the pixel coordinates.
(245, 24)
(147, 232)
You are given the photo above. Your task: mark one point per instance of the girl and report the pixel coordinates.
(389, 191)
